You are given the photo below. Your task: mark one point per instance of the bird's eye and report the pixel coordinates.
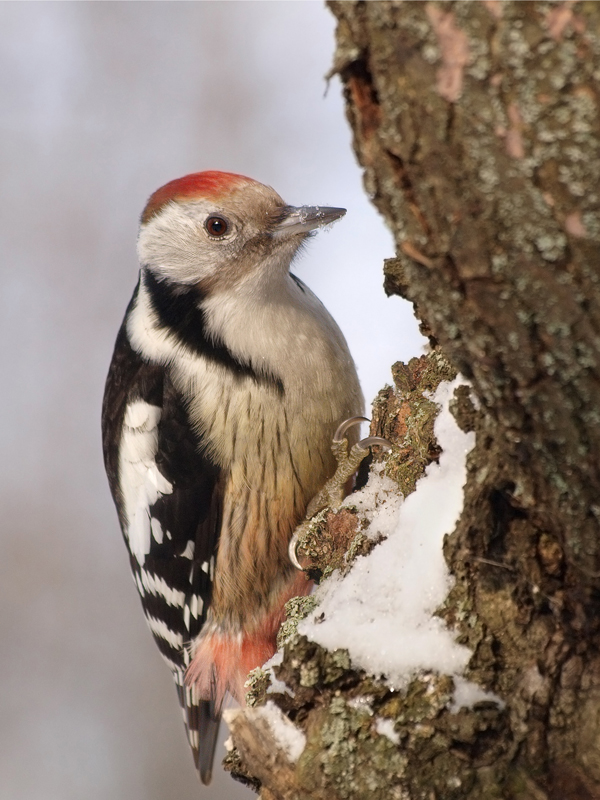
(216, 226)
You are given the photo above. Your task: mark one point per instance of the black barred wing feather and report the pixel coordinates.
(168, 497)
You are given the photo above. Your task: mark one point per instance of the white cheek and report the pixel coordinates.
(174, 246)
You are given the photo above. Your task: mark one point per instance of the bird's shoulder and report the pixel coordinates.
(167, 491)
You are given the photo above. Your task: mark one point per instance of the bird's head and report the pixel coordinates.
(218, 229)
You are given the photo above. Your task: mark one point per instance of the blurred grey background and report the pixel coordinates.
(101, 103)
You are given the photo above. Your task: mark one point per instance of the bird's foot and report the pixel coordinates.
(334, 491)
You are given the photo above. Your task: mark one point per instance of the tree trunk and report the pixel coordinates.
(477, 125)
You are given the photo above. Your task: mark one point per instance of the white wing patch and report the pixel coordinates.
(196, 606)
(157, 530)
(140, 481)
(189, 550)
(159, 628)
(192, 609)
(209, 567)
(148, 583)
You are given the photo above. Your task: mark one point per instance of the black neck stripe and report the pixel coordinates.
(180, 312)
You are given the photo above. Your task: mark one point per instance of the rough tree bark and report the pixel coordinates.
(478, 128)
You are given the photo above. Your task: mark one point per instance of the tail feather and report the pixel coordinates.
(202, 720)
(208, 727)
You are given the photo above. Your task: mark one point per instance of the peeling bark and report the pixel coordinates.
(477, 125)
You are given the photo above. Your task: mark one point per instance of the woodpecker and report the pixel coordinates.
(227, 383)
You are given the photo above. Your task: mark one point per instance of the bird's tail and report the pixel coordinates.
(202, 719)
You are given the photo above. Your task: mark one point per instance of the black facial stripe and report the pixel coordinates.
(178, 311)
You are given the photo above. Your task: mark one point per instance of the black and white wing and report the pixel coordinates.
(168, 497)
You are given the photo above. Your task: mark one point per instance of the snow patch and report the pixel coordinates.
(467, 693)
(289, 738)
(276, 686)
(381, 611)
(385, 727)
(361, 703)
(378, 503)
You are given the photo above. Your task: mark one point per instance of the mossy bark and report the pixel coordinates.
(478, 128)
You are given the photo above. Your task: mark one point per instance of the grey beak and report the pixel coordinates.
(307, 218)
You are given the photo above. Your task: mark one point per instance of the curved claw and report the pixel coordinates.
(292, 551)
(333, 493)
(338, 436)
(375, 441)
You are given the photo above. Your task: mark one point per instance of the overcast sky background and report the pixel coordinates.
(101, 103)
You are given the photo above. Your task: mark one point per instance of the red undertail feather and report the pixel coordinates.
(221, 661)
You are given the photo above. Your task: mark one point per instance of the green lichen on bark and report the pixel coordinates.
(331, 541)
(296, 610)
(257, 684)
(477, 126)
(347, 754)
(405, 416)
